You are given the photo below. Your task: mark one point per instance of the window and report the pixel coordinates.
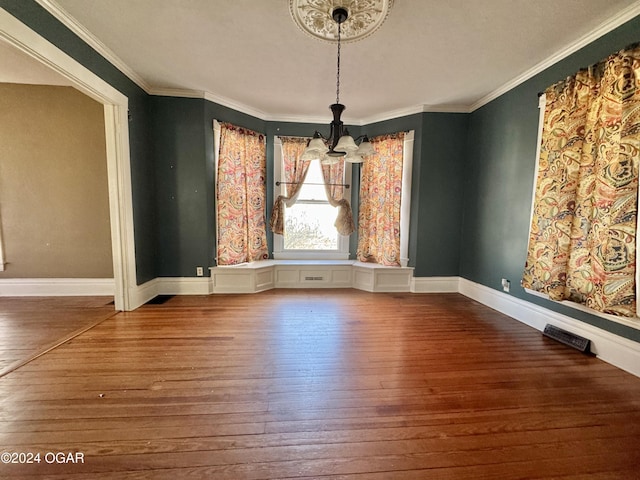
(309, 222)
(240, 170)
(309, 231)
(383, 186)
(582, 240)
(385, 193)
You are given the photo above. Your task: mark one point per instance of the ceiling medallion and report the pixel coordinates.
(315, 17)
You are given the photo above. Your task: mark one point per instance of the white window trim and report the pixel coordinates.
(632, 322)
(217, 131)
(405, 198)
(279, 252)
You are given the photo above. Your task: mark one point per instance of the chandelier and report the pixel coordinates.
(322, 18)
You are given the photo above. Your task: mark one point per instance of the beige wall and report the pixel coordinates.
(54, 199)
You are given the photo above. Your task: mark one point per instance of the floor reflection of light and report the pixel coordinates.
(307, 350)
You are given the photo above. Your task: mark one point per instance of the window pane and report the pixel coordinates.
(310, 227)
(313, 188)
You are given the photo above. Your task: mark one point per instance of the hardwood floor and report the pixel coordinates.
(29, 329)
(332, 384)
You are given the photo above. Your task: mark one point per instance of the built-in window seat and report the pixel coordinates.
(267, 274)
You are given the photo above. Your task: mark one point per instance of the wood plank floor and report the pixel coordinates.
(331, 384)
(28, 329)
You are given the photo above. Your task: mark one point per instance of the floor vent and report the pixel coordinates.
(568, 338)
(314, 278)
(159, 300)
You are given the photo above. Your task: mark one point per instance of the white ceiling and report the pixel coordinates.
(429, 55)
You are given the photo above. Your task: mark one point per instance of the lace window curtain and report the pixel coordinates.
(582, 245)
(380, 193)
(333, 177)
(295, 171)
(241, 194)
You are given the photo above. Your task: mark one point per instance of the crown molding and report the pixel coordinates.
(225, 102)
(604, 28)
(85, 35)
(176, 92)
(404, 112)
(234, 105)
(381, 117)
(320, 119)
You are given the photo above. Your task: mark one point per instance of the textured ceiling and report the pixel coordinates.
(429, 54)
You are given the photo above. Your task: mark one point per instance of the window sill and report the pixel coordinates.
(633, 322)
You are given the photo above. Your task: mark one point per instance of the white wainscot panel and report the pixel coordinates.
(372, 277)
(316, 276)
(243, 278)
(267, 274)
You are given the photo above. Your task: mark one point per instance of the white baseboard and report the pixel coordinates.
(141, 294)
(184, 285)
(169, 286)
(56, 287)
(435, 285)
(611, 348)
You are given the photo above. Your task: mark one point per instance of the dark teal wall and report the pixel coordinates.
(499, 175)
(181, 185)
(436, 188)
(143, 183)
(184, 172)
(470, 199)
(441, 198)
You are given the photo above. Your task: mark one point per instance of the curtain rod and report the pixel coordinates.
(631, 46)
(345, 185)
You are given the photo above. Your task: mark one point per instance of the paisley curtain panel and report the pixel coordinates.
(380, 192)
(241, 196)
(582, 245)
(295, 171)
(333, 177)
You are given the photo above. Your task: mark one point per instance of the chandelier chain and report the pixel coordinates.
(338, 69)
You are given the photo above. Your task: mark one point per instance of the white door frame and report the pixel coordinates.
(18, 35)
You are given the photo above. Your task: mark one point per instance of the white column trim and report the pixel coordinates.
(217, 132)
(21, 37)
(405, 196)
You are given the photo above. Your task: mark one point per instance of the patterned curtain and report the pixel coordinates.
(295, 171)
(333, 176)
(582, 245)
(380, 189)
(241, 194)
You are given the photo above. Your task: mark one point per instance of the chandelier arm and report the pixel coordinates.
(319, 135)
